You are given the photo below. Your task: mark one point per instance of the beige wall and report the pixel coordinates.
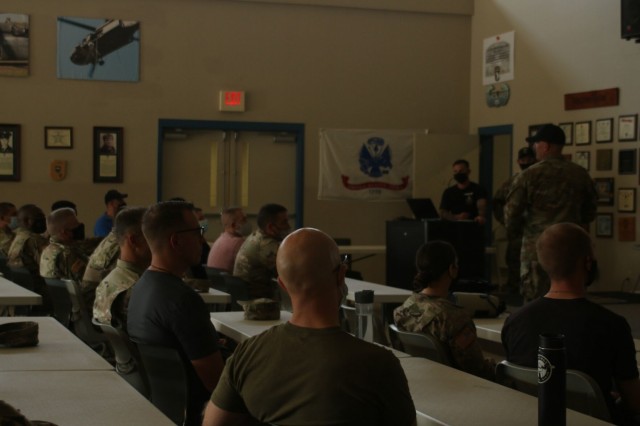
(322, 66)
(563, 47)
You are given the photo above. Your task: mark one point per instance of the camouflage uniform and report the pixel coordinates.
(452, 325)
(62, 261)
(514, 239)
(101, 262)
(552, 191)
(113, 293)
(6, 238)
(256, 264)
(25, 250)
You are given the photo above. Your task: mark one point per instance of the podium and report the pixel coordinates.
(404, 238)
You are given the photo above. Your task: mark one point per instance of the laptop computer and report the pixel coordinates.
(423, 208)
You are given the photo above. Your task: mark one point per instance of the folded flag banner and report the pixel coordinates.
(373, 165)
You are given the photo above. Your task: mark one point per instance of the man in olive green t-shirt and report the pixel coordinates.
(308, 370)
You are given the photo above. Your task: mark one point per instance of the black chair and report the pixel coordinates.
(128, 362)
(22, 277)
(33, 282)
(82, 324)
(61, 300)
(420, 345)
(4, 269)
(583, 393)
(165, 373)
(238, 289)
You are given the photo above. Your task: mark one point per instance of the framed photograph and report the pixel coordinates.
(627, 200)
(627, 162)
(628, 128)
(567, 128)
(9, 152)
(604, 160)
(58, 137)
(627, 228)
(604, 188)
(604, 130)
(604, 225)
(582, 159)
(583, 133)
(107, 154)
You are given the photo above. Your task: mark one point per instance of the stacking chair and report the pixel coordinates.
(238, 289)
(82, 325)
(61, 300)
(22, 277)
(420, 345)
(128, 363)
(583, 393)
(167, 379)
(4, 269)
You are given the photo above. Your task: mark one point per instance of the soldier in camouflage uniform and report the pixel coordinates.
(62, 258)
(101, 262)
(526, 157)
(113, 293)
(28, 244)
(552, 191)
(8, 222)
(429, 310)
(256, 259)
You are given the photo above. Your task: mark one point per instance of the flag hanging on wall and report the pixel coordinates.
(374, 165)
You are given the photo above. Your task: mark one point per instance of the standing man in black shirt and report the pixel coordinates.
(465, 200)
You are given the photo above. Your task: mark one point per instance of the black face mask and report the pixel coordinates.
(593, 274)
(78, 232)
(461, 177)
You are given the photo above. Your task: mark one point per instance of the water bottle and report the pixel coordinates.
(552, 380)
(364, 313)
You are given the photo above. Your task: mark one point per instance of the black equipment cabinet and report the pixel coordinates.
(404, 237)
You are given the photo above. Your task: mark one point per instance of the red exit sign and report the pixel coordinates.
(231, 100)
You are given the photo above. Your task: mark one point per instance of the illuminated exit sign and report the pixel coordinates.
(231, 100)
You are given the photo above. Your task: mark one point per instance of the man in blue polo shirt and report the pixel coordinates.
(113, 201)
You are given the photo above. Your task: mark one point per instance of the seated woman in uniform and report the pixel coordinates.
(428, 310)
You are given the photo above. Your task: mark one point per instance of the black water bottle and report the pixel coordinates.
(552, 381)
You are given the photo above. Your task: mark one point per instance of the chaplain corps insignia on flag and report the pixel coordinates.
(58, 170)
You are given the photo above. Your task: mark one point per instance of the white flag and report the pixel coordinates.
(366, 164)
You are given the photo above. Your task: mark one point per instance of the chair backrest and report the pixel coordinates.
(216, 278)
(60, 299)
(583, 393)
(238, 289)
(128, 362)
(167, 379)
(420, 345)
(21, 276)
(82, 325)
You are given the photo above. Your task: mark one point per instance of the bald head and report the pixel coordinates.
(562, 249)
(307, 262)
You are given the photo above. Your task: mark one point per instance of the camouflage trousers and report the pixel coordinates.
(534, 280)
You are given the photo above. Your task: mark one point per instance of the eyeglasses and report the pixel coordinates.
(344, 260)
(200, 229)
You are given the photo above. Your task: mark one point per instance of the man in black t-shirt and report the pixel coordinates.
(598, 342)
(465, 200)
(164, 311)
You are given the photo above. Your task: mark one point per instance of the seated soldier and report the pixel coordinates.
(61, 258)
(28, 244)
(307, 370)
(113, 293)
(598, 342)
(102, 261)
(8, 222)
(429, 310)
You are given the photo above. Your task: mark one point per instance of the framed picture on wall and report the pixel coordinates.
(604, 188)
(604, 225)
(627, 162)
(627, 200)
(604, 159)
(628, 127)
(107, 154)
(604, 130)
(582, 158)
(9, 152)
(58, 137)
(567, 128)
(583, 133)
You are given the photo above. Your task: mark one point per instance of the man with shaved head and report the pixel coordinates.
(309, 371)
(598, 342)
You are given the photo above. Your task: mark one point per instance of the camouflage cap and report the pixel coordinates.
(260, 309)
(19, 334)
